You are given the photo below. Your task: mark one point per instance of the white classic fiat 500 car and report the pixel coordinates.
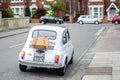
(58, 55)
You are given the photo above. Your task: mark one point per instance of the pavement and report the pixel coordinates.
(103, 58)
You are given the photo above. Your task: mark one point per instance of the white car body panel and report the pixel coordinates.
(88, 19)
(59, 49)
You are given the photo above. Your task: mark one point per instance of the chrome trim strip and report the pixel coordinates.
(43, 65)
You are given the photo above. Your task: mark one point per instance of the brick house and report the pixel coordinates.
(96, 8)
(112, 8)
(2, 4)
(18, 6)
(102, 8)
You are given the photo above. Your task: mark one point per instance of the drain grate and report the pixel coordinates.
(99, 71)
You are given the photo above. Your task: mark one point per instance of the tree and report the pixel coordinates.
(37, 13)
(57, 6)
(119, 12)
(41, 12)
(6, 13)
(27, 11)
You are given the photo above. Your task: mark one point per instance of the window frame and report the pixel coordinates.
(16, 1)
(64, 41)
(100, 11)
(43, 30)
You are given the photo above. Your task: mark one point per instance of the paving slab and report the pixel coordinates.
(97, 77)
(115, 77)
(14, 32)
(109, 42)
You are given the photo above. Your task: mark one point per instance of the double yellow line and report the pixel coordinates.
(100, 31)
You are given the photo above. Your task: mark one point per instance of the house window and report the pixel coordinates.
(101, 13)
(96, 12)
(18, 10)
(33, 0)
(112, 0)
(49, 0)
(2, 1)
(90, 11)
(95, 0)
(13, 1)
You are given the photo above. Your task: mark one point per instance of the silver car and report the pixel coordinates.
(88, 19)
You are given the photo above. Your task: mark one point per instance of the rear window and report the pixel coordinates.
(45, 33)
(84, 16)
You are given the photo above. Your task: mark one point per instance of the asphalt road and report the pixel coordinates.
(82, 36)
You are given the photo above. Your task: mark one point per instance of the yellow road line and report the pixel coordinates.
(100, 31)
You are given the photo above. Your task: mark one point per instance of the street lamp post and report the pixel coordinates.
(70, 6)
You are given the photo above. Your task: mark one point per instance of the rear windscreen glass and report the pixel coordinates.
(45, 33)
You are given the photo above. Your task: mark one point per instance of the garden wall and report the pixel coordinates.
(13, 23)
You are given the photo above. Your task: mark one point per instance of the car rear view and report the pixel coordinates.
(33, 55)
(43, 49)
(50, 19)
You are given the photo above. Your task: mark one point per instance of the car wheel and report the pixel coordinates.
(58, 22)
(96, 22)
(63, 69)
(116, 22)
(80, 22)
(71, 60)
(22, 68)
(42, 22)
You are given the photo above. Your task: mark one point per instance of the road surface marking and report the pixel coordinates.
(16, 45)
(100, 31)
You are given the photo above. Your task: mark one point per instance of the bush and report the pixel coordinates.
(7, 13)
(50, 14)
(35, 14)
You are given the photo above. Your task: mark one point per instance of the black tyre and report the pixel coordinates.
(80, 22)
(42, 22)
(22, 68)
(116, 22)
(96, 22)
(63, 69)
(71, 60)
(58, 22)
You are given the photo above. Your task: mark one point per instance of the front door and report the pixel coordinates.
(112, 13)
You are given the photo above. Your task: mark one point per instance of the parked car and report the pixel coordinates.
(66, 18)
(58, 55)
(50, 19)
(88, 19)
(116, 20)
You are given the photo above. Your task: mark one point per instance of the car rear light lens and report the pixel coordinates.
(56, 58)
(22, 55)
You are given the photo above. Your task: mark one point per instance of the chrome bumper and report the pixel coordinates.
(42, 65)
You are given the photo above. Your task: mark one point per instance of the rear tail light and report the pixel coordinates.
(22, 55)
(56, 58)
